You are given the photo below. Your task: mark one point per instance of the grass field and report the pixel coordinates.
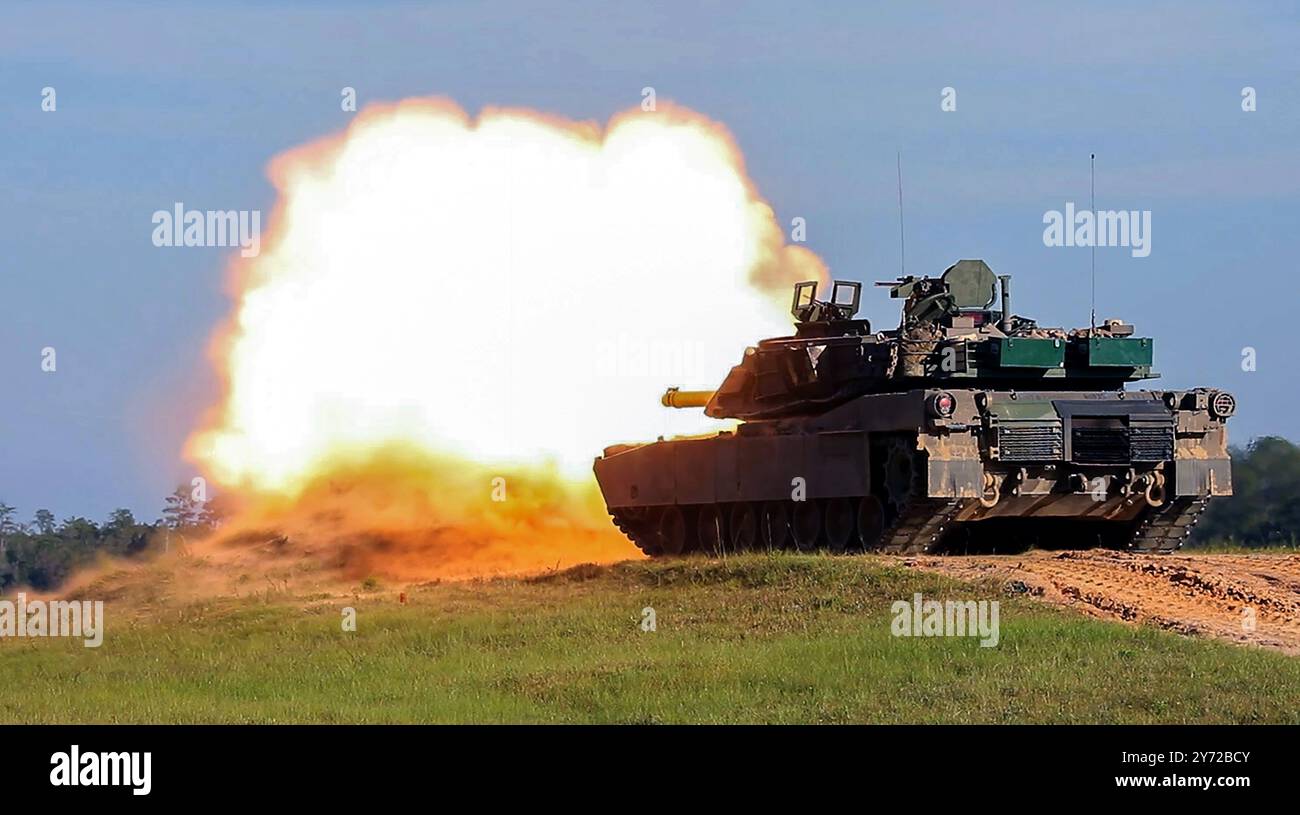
(1227, 547)
(753, 639)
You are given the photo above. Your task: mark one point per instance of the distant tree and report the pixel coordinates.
(76, 528)
(7, 525)
(44, 521)
(120, 519)
(181, 511)
(123, 535)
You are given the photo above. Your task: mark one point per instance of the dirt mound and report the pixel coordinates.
(1252, 599)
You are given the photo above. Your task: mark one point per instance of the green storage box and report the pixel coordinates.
(1024, 352)
(1120, 352)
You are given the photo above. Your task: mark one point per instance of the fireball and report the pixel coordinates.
(508, 290)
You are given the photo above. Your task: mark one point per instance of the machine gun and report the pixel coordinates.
(968, 287)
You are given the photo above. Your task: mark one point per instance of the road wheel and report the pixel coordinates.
(841, 525)
(672, 531)
(806, 524)
(743, 527)
(871, 522)
(775, 525)
(712, 534)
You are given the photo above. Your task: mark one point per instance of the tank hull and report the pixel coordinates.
(1002, 469)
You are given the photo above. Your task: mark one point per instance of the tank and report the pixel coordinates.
(966, 428)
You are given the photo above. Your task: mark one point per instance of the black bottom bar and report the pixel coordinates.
(330, 765)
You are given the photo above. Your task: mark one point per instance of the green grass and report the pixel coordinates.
(1221, 546)
(754, 639)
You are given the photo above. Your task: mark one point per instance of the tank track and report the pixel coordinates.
(924, 523)
(1165, 528)
(919, 528)
(644, 542)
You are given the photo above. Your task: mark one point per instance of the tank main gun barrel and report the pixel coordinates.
(678, 398)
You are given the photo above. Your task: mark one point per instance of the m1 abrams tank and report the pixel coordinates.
(966, 428)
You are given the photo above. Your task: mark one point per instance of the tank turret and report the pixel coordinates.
(949, 334)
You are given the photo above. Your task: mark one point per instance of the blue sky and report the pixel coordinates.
(160, 103)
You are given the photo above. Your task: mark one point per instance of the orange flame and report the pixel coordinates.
(504, 294)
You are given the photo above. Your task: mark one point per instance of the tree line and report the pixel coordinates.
(43, 552)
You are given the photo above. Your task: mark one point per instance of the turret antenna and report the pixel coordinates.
(902, 246)
(1092, 204)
